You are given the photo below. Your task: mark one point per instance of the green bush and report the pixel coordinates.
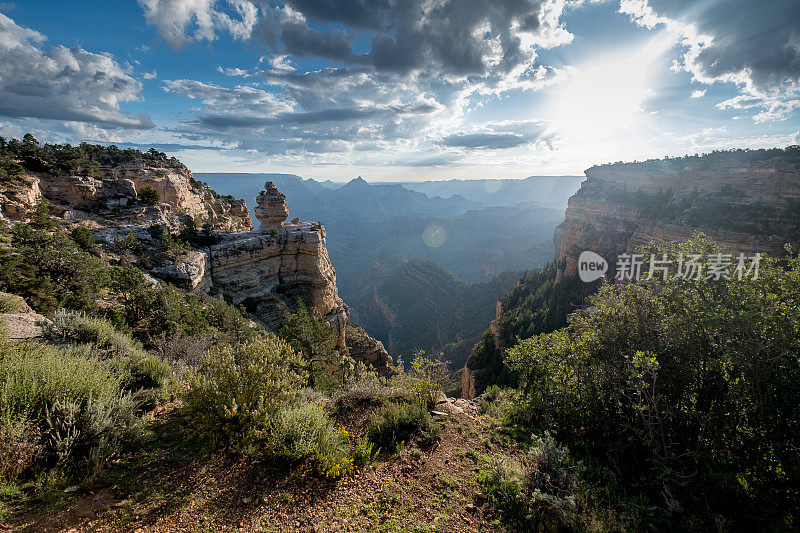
(87, 434)
(83, 237)
(239, 388)
(364, 452)
(51, 271)
(539, 493)
(33, 376)
(303, 432)
(686, 389)
(142, 370)
(424, 380)
(63, 407)
(149, 195)
(370, 389)
(316, 339)
(396, 423)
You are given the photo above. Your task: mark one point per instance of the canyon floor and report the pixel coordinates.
(166, 488)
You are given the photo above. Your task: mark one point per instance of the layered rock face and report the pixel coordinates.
(748, 202)
(19, 197)
(275, 269)
(113, 193)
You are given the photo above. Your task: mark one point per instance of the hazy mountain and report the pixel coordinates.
(373, 229)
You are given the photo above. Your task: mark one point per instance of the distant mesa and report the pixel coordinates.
(271, 210)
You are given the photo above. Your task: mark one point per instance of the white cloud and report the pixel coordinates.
(698, 93)
(59, 83)
(753, 45)
(181, 21)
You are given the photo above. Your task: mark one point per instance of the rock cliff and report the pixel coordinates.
(747, 201)
(268, 271)
(112, 194)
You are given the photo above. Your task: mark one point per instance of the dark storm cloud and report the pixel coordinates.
(457, 37)
(302, 41)
(757, 41)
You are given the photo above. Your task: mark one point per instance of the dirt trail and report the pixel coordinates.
(432, 489)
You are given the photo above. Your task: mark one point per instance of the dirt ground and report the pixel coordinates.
(160, 490)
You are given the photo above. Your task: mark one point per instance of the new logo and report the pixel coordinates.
(591, 266)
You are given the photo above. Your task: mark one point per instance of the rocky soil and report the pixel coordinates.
(417, 489)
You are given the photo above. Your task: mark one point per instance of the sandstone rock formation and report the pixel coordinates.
(747, 202)
(271, 271)
(267, 271)
(271, 210)
(18, 197)
(113, 193)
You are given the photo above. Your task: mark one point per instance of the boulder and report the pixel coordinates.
(20, 326)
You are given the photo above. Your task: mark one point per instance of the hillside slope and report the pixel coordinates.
(417, 304)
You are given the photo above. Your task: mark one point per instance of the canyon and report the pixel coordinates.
(748, 201)
(268, 270)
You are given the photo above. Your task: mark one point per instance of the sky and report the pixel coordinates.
(403, 89)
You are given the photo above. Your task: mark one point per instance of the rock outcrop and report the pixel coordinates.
(746, 201)
(271, 210)
(18, 197)
(270, 271)
(362, 347)
(112, 193)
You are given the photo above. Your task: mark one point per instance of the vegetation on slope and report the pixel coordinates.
(121, 348)
(677, 403)
(420, 305)
(18, 156)
(539, 304)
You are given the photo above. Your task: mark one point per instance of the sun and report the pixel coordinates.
(603, 97)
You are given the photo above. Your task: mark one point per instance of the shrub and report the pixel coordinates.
(496, 402)
(33, 376)
(239, 387)
(684, 388)
(89, 434)
(316, 339)
(83, 237)
(20, 448)
(65, 406)
(303, 432)
(370, 389)
(423, 380)
(76, 326)
(149, 195)
(130, 242)
(396, 423)
(364, 452)
(140, 369)
(50, 271)
(539, 493)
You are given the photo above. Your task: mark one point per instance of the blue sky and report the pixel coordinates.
(404, 90)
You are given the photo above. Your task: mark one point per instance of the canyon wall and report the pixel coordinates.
(747, 201)
(111, 194)
(267, 270)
